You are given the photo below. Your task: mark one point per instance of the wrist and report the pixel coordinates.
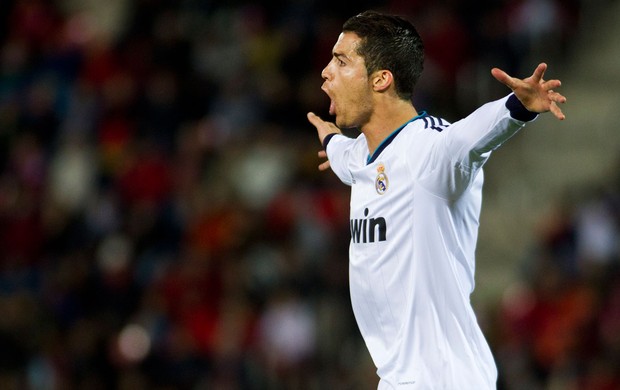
(326, 139)
(518, 110)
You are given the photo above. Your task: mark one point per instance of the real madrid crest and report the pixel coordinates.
(381, 182)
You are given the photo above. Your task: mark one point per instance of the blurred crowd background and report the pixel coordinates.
(163, 224)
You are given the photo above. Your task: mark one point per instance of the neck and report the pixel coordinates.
(383, 123)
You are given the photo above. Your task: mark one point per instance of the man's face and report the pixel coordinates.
(347, 84)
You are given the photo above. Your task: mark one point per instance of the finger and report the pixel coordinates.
(324, 166)
(322, 154)
(551, 84)
(556, 111)
(315, 119)
(539, 72)
(503, 78)
(556, 97)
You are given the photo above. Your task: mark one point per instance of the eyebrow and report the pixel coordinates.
(340, 56)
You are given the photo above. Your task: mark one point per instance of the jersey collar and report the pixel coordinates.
(372, 157)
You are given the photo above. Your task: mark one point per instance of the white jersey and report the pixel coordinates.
(415, 207)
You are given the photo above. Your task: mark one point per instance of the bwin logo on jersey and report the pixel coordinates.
(368, 230)
(381, 182)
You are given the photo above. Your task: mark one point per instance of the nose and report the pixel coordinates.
(325, 74)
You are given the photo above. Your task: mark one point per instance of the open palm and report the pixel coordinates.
(536, 94)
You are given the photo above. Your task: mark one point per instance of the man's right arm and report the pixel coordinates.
(325, 130)
(339, 148)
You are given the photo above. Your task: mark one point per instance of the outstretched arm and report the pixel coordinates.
(536, 94)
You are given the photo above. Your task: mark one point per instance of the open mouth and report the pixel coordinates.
(332, 105)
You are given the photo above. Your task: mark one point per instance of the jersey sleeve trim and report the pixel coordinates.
(518, 110)
(328, 138)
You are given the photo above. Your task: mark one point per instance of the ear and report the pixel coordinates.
(382, 80)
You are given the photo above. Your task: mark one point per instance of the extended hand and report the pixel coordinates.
(536, 94)
(323, 129)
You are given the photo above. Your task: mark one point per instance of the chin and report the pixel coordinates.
(344, 125)
(340, 122)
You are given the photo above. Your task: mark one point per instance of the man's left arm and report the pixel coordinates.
(467, 144)
(472, 138)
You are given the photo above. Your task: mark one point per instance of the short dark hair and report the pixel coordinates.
(389, 42)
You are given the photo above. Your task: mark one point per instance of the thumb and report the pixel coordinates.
(503, 77)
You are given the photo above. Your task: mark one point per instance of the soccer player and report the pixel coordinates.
(416, 184)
